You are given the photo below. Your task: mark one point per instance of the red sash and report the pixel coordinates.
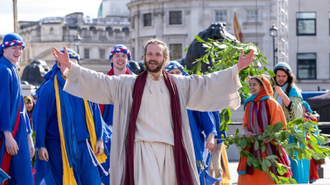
(6, 157)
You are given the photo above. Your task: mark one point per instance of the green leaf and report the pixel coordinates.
(271, 73)
(249, 160)
(255, 162)
(271, 157)
(243, 143)
(256, 145)
(269, 128)
(237, 131)
(292, 181)
(264, 165)
(278, 126)
(199, 39)
(263, 148)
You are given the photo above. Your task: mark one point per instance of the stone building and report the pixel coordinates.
(92, 38)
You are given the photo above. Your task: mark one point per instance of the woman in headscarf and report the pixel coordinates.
(261, 110)
(29, 103)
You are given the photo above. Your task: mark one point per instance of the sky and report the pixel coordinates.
(34, 10)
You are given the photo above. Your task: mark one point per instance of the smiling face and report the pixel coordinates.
(254, 86)
(154, 59)
(119, 60)
(281, 77)
(13, 53)
(28, 105)
(175, 72)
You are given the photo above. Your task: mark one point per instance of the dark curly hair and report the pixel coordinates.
(291, 79)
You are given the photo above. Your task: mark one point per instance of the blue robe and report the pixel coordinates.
(11, 99)
(47, 133)
(202, 124)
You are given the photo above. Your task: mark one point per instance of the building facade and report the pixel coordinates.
(178, 22)
(92, 38)
(309, 38)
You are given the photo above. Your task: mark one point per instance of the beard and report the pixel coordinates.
(159, 65)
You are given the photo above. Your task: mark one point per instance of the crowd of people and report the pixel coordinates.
(159, 127)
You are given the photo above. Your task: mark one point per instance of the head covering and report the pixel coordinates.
(27, 98)
(264, 93)
(120, 48)
(175, 65)
(282, 65)
(11, 39)
(50, 75)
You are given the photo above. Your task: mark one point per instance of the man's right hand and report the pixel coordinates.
(43, 154)
(62, 58)
(11, 144)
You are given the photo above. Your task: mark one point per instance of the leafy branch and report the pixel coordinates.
(298, 129)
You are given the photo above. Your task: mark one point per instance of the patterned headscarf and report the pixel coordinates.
(120, 48)
(175, 65)
(11, 39)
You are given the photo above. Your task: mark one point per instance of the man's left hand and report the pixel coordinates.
(210, 143)
(99, 147)
(31, 148)
(243, 62)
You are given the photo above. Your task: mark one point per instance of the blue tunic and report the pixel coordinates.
(47, 133)
(11, 99)
(202, 124)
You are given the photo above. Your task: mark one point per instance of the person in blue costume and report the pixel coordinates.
(69, 131)
(203, 125)
(16, 145)
(289, 97)
(119, 58)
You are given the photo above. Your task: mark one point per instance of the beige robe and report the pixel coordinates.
(204, 93)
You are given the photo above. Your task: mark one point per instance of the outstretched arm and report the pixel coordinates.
(62, 58)
(243, 62)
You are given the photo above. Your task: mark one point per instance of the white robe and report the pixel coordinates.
(204, 93)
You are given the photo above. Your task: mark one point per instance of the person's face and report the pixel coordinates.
(254, 86)
(13, 53)
(175, 72)
(28, 105)
(119, 60)
(62, 67)
(281, 77)
(154, 59)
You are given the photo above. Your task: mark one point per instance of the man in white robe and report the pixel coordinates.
(154, 139)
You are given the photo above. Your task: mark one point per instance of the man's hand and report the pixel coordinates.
(279, 90)
(43, 154)
(62, 58)
(11, 144)
(210, 143)
(31, 148)
(243, 62)
(99, 147)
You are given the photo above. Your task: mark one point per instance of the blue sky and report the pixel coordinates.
(34, 10)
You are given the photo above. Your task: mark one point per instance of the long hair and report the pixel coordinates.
(291, 79)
